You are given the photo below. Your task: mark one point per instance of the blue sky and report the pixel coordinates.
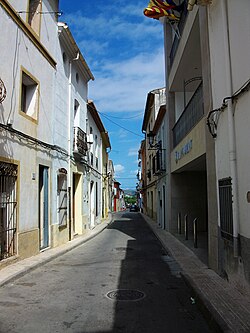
(124, 50)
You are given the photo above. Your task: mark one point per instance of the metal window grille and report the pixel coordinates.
(62, 199)
(226, 208)
(8, 209)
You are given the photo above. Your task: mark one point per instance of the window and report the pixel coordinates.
(62, 198)
(8, 209)
(29, 95)
(96, 162)
(64, 58)
(154, 162)
(34, 15)
(76, 108)
(91, 159)
(77, 78)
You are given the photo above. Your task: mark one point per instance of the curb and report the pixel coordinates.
(213, 318)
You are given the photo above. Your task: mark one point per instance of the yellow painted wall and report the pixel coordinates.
(28, 243)
(197, 136)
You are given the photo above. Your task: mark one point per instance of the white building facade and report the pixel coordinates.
(207, 81)
(154, 128)
(27, 145)
(71, 82)
(98, 164)
(50, 186)
(229, 39)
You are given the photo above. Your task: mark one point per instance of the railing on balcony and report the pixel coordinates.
(191, 115)
(80, 146)
(176, 41)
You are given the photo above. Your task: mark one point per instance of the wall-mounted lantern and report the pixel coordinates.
(3, 91)
(150, 136)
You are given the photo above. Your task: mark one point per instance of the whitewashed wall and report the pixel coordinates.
(239, 37)
(24, 53)
(96, 149)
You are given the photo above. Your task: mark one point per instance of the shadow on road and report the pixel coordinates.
(166, 305)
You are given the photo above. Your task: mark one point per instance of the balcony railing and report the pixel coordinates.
(176, 41)
(80, 146)
(191, 115)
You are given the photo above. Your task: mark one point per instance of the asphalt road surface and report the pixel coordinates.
(120, 281)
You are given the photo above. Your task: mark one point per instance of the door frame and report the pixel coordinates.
(44, 237)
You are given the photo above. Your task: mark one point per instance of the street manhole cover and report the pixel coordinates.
(125, 295)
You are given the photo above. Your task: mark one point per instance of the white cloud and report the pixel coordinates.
(124, 51)
(128, 82)
(119, 169)
(133, 152)
(110, 25)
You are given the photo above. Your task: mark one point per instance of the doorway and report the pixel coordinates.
(76, 213)
(43, 206)
(92, 205)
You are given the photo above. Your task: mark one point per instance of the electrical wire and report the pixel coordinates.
(34, 141)
(122, 126)
(102, 113)
(115, 122)
(38, 12)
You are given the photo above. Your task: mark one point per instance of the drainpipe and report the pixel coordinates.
(231, 128)
(69, 146)
(168, 224)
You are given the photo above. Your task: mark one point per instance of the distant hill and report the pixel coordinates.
(131, 193)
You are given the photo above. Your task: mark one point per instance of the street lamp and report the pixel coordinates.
(150, 136)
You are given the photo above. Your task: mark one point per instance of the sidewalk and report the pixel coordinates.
(223, 305)
(18, 269)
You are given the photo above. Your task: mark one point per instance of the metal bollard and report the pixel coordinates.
(195, 233)
(179, 223)
(186, 226)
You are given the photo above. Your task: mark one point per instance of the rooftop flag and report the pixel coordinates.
(158, 8)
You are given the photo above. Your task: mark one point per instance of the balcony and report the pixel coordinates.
(80, 146)
(191, 115)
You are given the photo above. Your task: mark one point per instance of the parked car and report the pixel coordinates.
(133, 208)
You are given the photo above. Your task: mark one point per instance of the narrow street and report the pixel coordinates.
(72, 292)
